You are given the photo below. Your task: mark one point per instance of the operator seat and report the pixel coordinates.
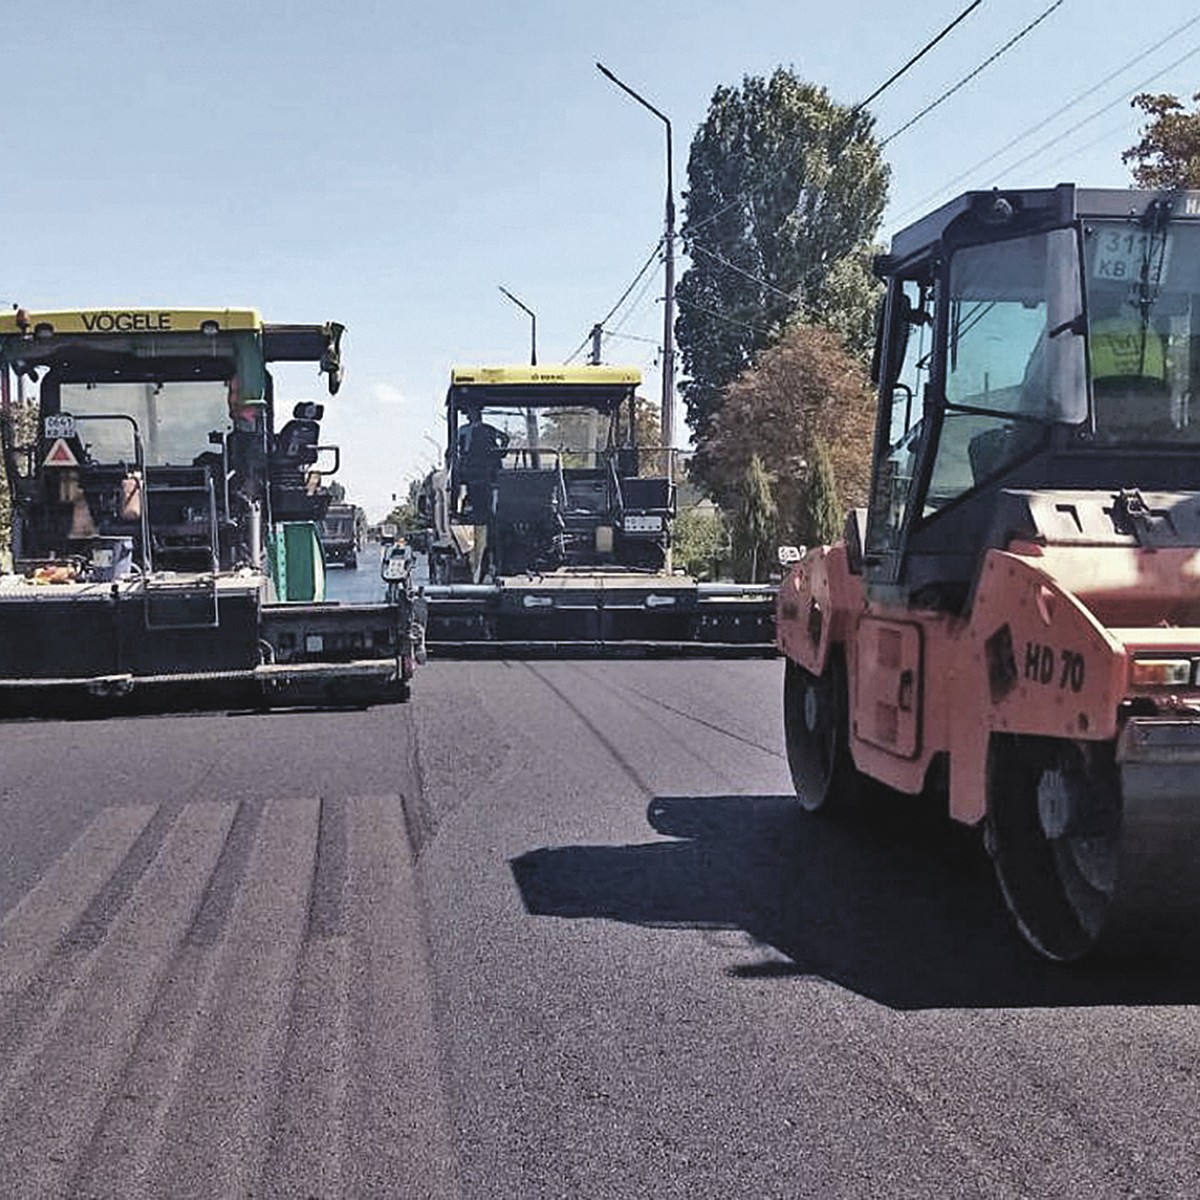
(295, 450)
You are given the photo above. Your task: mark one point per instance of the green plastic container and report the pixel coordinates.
(297, 563)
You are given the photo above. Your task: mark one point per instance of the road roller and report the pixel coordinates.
(1014, 621)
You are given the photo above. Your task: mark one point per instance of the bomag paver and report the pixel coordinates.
(164, 542)
(550, 528)
(1016, 618)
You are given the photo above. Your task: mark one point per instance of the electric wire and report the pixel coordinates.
(1058, 112)
(787, 296)
(636, 279)
(987, 62)
(636, 304)
(1097, 113)
(708, 312)
(916, 58)
(716, 216)
(631, 337)
(770, 287)
(693, 246)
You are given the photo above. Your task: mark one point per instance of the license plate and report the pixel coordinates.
(1123, 255)
(635, 524)
(59, 425)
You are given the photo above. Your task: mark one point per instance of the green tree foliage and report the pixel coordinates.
(806, 398)
(753, 522)
(821, 516)
(582, 429)
(1168, 155)
(5, 530)
(700, 540)
(786, 193)
(405, 517)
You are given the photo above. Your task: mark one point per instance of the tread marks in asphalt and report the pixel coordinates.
(241, 1005)
(657, 702)
(614, 751)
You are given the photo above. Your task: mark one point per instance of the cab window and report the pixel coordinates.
(1014, 358)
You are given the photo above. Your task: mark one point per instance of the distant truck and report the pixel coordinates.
(342, 534)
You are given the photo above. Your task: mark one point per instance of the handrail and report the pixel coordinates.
(213, 538)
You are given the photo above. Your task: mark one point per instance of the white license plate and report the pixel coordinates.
(1123, 255)
(635, 524)
(59, 425)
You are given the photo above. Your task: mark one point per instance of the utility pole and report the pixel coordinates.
(668, 340)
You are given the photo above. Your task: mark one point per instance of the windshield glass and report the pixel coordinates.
(339, 526)
(174, 418)
(576, 435)
(1014, 357)
(1143, 290)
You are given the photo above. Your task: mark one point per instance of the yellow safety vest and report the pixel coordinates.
(1121, 349)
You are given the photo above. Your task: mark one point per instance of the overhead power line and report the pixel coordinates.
(631, 337)
(987, 62)
(1058, 112)
(770, 287)
(607, 316)
(636, 303)
(1066, 133)
(788, 154)
(920, 54)
(708, 312)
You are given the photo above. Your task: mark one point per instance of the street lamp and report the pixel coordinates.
(531, 425)
(668, 342)
(532, 324)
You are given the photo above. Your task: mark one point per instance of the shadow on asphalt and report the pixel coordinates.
(897, 904)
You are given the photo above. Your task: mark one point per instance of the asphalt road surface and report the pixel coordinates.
(551, 929)
(359, 586)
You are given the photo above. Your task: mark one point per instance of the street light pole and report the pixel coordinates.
(531, 424)
(532, 324)
(668, 341)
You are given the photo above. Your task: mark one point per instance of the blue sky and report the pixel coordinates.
(389, 165)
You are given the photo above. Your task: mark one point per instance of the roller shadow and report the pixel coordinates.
(898, 904)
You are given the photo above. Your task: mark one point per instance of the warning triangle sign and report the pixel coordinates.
(60, 455)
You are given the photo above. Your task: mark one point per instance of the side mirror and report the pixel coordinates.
(331, 360)
(307, 410)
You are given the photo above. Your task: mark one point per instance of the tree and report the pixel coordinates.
(584, 429)
(805, 400)
(405, 517)
(1168, 156)
(786, 193)
(821, 517)
(700, 540)
(754, 521)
